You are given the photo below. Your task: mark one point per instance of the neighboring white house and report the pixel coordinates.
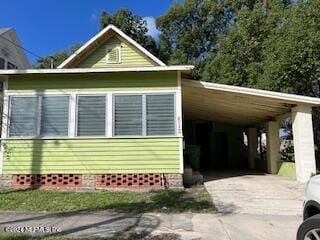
(11, 55)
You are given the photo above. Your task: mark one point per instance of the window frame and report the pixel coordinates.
(39, 110)
(119, 48)
(109, 118)
(77, 114)
(144, 114)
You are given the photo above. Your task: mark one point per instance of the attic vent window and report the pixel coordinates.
(113, 54)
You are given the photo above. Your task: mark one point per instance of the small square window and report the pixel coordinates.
(113, 54)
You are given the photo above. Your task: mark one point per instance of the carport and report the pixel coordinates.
(251, 108)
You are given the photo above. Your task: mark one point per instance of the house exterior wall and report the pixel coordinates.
(154, 159)
(10, 52)
(93, 82)
(130, 57)
(92, 156)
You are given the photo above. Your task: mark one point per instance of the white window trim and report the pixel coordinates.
(72, 128)
(118, 48)
(38, 135)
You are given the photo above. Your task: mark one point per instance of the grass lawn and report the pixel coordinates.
(195, 199)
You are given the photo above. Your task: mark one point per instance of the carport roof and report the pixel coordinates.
(237, 105)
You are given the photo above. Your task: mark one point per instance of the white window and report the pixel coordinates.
(23, 116)
(128, 115)
(35, 116)
(144, 115)
(113, 54)
(54, 116)
(160, 114)
(91, 119)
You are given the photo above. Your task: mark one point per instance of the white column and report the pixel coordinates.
(252, 146)
(273, 146)
(303, 142)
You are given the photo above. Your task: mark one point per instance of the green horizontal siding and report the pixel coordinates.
(92, 156)
(130, 56)
(93, 82)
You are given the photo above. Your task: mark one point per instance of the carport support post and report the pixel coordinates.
(252, 146)
(303, 142)
(273, 146)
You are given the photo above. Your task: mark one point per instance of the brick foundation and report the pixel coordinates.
(151, 180)
(92, 182)
(51, 181)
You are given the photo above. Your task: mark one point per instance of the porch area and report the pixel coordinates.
(224, 123)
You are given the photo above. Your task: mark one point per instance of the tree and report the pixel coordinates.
(189, 31)
(58, 57)
(239, 58)
(132, 25)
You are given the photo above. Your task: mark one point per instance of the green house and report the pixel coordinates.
(115, 116)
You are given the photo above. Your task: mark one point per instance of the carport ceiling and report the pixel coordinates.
(236, 105)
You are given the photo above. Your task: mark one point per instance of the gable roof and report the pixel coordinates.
(3, 30)
(9, 35)
(101, 35)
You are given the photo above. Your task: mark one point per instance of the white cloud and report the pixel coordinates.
(152, 29)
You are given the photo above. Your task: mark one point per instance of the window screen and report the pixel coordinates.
(128, 115)
(54, 116)
(23, 116)
(160, 114)
(91, 116)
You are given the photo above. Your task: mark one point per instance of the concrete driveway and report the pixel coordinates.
(255, 205)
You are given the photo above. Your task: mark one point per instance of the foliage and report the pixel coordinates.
(132, 25)
(58, 57)
(239, 58)
(168, 201)
(189, 31)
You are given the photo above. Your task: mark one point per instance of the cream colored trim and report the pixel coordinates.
(72, 114)
(290, 98)
(109, 124)
(97, 70)
(119, 32)
(35, 93)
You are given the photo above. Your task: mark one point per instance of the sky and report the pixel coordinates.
(45, 27)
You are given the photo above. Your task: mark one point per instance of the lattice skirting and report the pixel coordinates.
(150, 180)
(91, 182)
(59, 181)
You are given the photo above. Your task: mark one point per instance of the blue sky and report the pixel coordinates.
(45, 27)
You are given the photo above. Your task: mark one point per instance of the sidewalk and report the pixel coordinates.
(186, 225)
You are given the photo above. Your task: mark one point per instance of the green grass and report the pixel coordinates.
(194, 199)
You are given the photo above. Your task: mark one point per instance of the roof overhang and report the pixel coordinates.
(237, 105)
(186, 69)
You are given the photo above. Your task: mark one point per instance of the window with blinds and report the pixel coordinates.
(128, 115)
(54, 116)
(91, 116)
(39, 116)
(23, 116)
(160, 114)
(144, 115)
